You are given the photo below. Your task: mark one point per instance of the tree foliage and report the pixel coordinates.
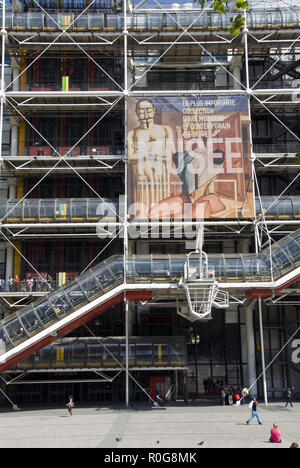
(222, 6)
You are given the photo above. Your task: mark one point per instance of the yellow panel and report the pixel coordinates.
(17, 260)
(22, 137)
(20, 188)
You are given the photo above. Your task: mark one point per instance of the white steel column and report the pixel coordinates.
(250, 343)
(14, 136)
(9, 266)
(16, 70)
(12, 188)
(125, 229)
(2, 85)
(262, 350)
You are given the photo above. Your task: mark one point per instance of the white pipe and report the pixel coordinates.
(263, 365)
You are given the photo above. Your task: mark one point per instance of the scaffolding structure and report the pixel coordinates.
(141, 41)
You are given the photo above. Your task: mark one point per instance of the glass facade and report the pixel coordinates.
(66, 181)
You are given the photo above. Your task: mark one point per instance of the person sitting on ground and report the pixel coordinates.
(158, 401)
(275, 434)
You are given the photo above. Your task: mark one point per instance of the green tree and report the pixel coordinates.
(223, 6)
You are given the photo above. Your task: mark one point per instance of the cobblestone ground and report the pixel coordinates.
(178, 426)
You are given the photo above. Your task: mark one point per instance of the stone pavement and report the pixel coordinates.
(178, 426)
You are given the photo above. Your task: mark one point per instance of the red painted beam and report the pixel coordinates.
(27, 352)
(131, 295)
(265, 293)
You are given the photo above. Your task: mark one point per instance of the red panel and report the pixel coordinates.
(41, 89)
(98, 149)
(40, 151)
(139, 295)
(264, 293)
(64, 149)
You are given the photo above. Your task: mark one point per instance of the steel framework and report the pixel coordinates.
(18, 103)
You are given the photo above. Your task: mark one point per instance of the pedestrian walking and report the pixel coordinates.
(254, 413)
(289, 397)
(223, 397)
(70, 405)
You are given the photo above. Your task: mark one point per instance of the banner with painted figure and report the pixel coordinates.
(189, 157)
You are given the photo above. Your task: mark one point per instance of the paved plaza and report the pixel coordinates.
(178, 426)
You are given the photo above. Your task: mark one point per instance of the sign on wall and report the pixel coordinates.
(189, 158)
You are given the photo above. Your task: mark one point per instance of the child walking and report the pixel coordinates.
(70, 405)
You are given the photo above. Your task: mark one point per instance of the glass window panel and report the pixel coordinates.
(96, 21)
(176, 353)
(142, 268)
(81, 22)
(265, 267)
(260, 18)
(90, 285)
(251, 268)
(104, 276)
(144, 353)
(46, 313)
(290, 17)
(112, 21)
(15, 331)
(31, 208)
(14, 211)
(234, 268)
(31, 322)
(131, 353)
(4, 343)
(117, 268)
(20, 21)
(75, 295)
(217, 263)
(44, 357)
(177, 267)
(284, 208)
(280, 259)
(94, 354)
(184, 19)
(155, 21)
(161, 353)
(161, 268)
(35, 20)
(79, 209)
(47, 209)
(275, 18)
(216, 20)
(62, 209)
(96, 208)
(77, 354)
(51, 21)
(140, 21)
(171, 21)
(292, 249)
(3, 208)
(60, 303)
(111, 355)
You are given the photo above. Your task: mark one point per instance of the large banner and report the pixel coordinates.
(189, 157)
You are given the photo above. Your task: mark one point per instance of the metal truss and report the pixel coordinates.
(19, 103)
